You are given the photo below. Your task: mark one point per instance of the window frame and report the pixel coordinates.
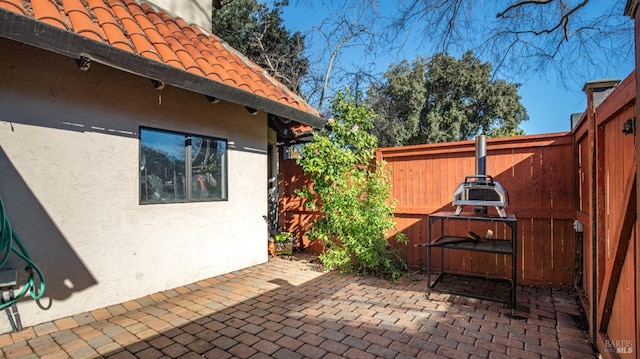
(188, 168)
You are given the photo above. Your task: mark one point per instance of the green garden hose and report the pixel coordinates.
(10, 243)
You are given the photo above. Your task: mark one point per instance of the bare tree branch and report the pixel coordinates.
(577, 38)
(562, 22)
(338, 33)
(526, 36)
(522, 3)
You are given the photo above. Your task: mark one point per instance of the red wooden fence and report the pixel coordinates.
(535, 170)
(606, 204)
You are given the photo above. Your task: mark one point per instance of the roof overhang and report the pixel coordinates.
(29, 31)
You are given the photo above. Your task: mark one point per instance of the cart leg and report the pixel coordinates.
(514, 266)
(428, 273)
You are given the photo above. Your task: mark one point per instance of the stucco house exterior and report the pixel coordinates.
(135, 148)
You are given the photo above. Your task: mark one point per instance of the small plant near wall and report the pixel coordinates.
(351, 190)
(282, 243)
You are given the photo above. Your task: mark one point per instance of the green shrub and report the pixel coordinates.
(282, 237)
(351, 190)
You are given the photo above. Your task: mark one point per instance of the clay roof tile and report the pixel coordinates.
(13, 5)
(181, 23)
(114, 32)
(134, 8)
(154, 18)
(188, 62)
(81, 19)
(300, 129)
(141, 43)
(215, 77)
(139, 28)
(49, 13)
(195, 40)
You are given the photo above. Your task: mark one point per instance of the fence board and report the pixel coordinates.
(620, 327)
(564, 251)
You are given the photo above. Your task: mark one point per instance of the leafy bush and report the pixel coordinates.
(351, 190)
(282, 237)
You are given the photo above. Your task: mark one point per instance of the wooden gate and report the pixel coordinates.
(606, 205)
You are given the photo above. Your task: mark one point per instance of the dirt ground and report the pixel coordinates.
(310, 259)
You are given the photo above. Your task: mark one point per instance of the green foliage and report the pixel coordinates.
(258, 32)
(444, 100)
(352, 192)
(282, 237)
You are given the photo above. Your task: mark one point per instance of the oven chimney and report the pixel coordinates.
(480, 190)
(481, 155)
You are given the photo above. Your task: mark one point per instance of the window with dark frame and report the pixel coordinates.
(179, 167)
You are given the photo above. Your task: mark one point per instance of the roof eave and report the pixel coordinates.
(38, 34)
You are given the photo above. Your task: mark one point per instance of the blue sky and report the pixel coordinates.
(548, 101)
(550, 104)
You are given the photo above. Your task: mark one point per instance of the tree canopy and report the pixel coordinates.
(443, 99)
(575, 40)
(258, 32)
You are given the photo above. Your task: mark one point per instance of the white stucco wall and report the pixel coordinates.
(193, 11)
(69, 179)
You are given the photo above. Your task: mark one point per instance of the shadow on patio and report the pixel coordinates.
(288, 309)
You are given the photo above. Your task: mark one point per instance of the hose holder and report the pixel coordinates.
(34, 284)
(8, 280)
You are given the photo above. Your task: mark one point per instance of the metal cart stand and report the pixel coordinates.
(500, 246)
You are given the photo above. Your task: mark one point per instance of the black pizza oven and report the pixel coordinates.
(480, 190)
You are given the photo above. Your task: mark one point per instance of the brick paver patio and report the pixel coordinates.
(285, 309)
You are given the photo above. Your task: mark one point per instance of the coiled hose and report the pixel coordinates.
(10, 243)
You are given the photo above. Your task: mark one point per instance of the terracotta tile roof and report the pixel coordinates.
(139, 28)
